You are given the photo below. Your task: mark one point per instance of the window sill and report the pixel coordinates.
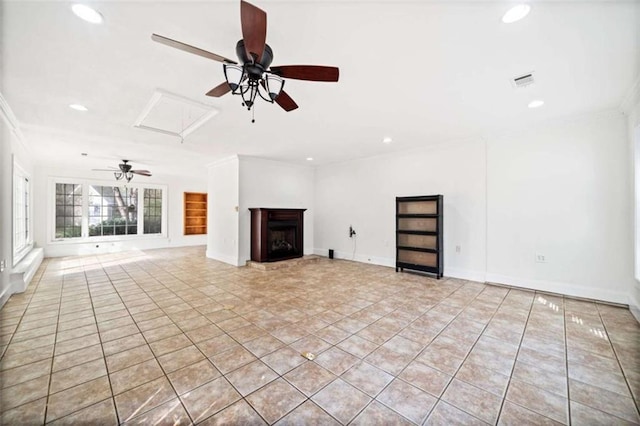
(109, 239)
(22, 253)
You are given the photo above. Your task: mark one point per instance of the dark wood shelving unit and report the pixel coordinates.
(419, 234)
(195, 213)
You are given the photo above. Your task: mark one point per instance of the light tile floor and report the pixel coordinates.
(170, 337)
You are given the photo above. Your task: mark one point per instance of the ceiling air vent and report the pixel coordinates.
(522, 80)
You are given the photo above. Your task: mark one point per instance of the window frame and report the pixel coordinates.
(86, 183)
(20, 252)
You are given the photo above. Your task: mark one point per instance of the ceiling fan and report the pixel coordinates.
(124, 171)
(255, 75)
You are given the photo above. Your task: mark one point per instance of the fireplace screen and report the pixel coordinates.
(281, 240)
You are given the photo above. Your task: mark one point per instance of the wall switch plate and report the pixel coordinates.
(541, 258)
(457, 249)
(3, 264)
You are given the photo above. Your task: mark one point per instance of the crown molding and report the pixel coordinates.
(10, 118)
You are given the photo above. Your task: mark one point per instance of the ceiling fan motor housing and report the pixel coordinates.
(251, 64)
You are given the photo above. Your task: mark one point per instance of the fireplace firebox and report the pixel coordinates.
(276, 234)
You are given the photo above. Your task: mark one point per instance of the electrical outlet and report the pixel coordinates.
(541, 258)
(3, 264)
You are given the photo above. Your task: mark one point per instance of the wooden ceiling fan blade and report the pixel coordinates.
(254, 29)
(190, 49)
(307, 72)
(141, 172)
(219, 90)
(285, 101)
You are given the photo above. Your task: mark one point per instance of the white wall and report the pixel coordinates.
(560, 189)
(266, 183)
(362, 194)
(223, 202)
(11, 148)
(176, 186)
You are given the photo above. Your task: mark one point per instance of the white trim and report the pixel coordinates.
(223, 258)
(362, 258)
(85, 238)
(566, 289)
(18, 170)
(9, 117)
(634, 307)
(223, 160)
(157, 96)
(464, 274)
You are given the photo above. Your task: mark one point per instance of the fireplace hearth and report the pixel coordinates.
(276, 234)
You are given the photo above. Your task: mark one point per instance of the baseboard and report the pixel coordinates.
(465, 274)
(391, 263)
(223, 258)
(4, 296)
(560, 288)
(363, 258)
(634, 307)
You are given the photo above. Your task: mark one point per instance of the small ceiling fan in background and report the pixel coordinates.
(124, 171)
(255, 76)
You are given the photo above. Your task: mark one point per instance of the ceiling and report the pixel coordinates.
(420, 72)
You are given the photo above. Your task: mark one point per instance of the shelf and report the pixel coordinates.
(408, 232)
(426, 250)
(419, 234)
(195, 213)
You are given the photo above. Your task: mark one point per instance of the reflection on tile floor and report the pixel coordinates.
(170, 337)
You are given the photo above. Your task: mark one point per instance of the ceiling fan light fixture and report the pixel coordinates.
(87, 13)
(516, 13)
(234, 74)
(274, 85)
(117, 175)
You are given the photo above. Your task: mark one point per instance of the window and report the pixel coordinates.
(68, 210)
(113, 210)
(93, 212)
(152, 211)
(22, 240)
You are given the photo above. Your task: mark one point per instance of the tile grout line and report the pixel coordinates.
(615, 353)
(104, 358)
(55, 345)
(566, 358)
(148, 344)
(453, 376)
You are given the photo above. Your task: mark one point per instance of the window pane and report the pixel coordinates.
(152, 212)
(68, 214)
(113, 210)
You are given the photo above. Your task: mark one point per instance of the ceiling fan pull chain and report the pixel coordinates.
(253, 115)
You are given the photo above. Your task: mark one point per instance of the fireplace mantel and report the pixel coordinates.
(276, 234)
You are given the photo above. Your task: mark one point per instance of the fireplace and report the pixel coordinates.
(276, 234)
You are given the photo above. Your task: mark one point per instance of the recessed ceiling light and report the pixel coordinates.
(78, 107)
(535, 104)
(387, 140)
(309, 158)
(88, 14)
(516, 13)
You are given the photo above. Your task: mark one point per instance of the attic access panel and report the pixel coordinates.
(174, 114)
